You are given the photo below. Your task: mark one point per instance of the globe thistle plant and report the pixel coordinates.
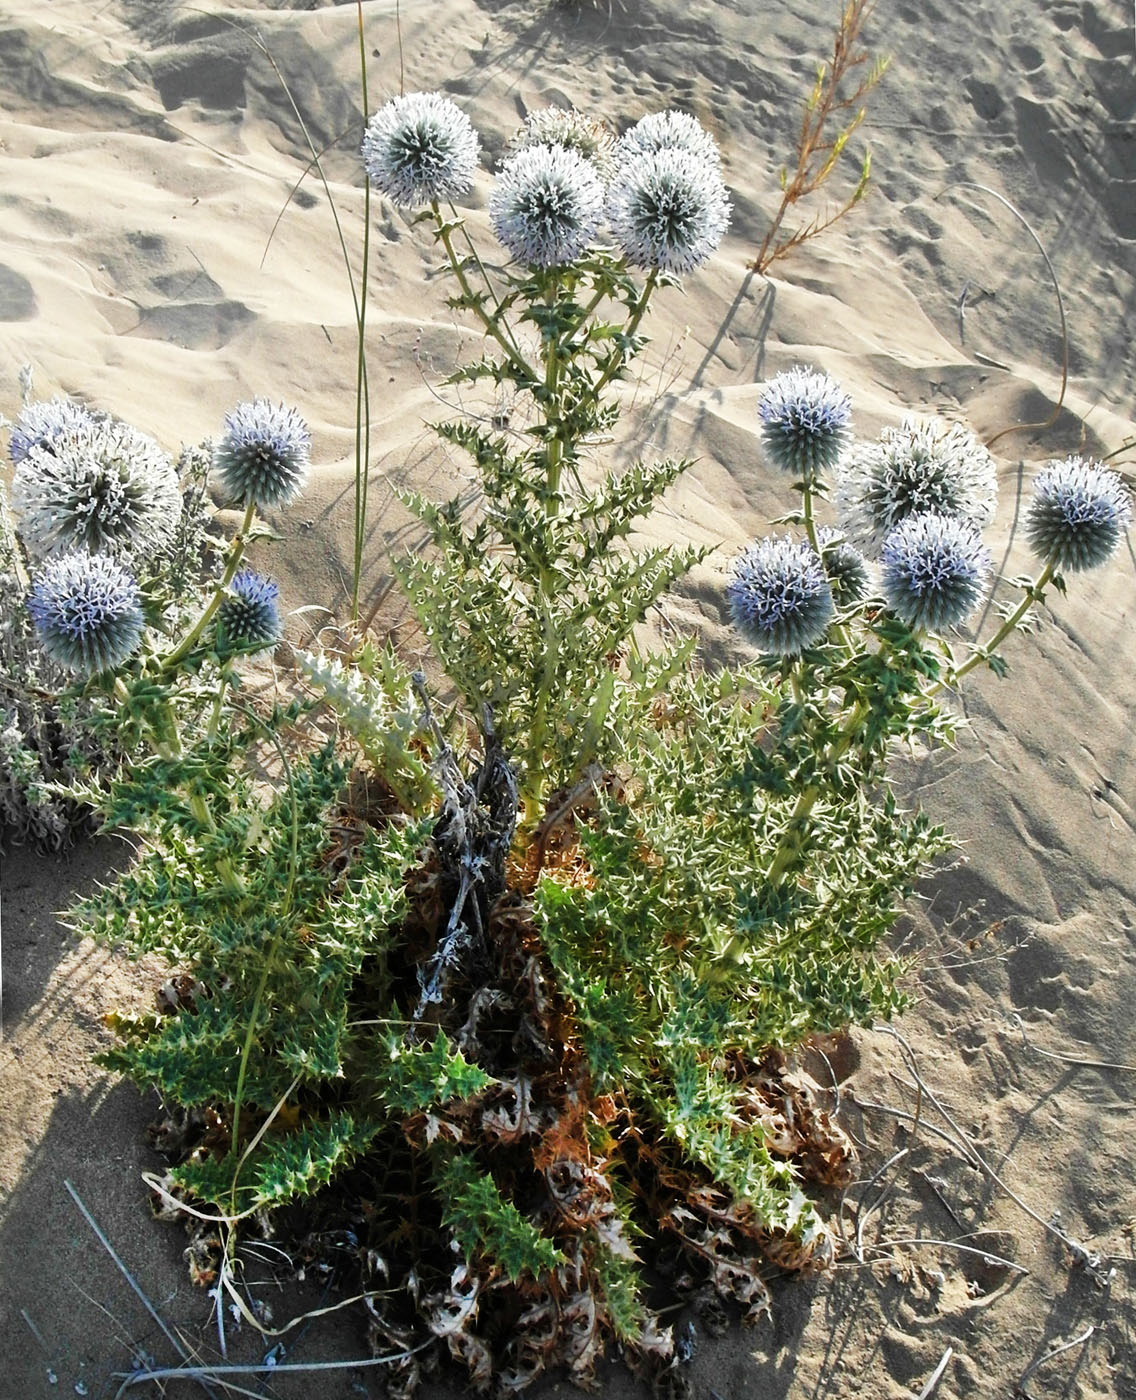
(420, 148)
(103, 487)
(565, 126)
(248, 619)
(845, 567)
(668, 210)
(917, 468)
(40, 423)
(264, 454)
(934, 570)
(547, 205)
(668, 131)
(779, 596)
(1078, 513)
(87, 612)
(805, 418)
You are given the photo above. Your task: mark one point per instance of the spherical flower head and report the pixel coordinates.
(264, 454)
(779, 596)
(805, 418)
(101, 486)
(419, 148)
(934, 570)
(248, 620)
(87, 612)
(547, 205)
(40, 423)
(1078, 513)
(845, 567)
(565, 126)
(917, 468)
(668, 210)
(668, 131)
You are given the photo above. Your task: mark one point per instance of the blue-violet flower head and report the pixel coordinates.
(917, 468)
(248, 620)
(805, 422)
(934, 570)
(547, 205)
(41, 422)
(101, 486)
(668, 210)
(264, 454)
(1078, 513)
(845, 566)
(87, 612)
(779, 596)
(668, 131)
(419, 148)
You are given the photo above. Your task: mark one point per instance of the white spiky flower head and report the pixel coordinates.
(668, 210)
(805, 422)
(419, 148)
(547, 205)
(87, 612)
(668, 131)
(102, 487)
(923, 466)
(1077, 515)
(779, 596)
(934, 570)
(39, 423)
(264, 454)
(565, 126)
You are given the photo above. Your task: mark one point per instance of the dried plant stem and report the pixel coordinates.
(1020, 1388)
(818, 153)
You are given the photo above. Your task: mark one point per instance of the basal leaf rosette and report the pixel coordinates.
(87, 612)
(547, 205)
(263, 455)
(919, 468)
(668, 210)
(934, 571)
(420, 148)
(780, 598)
(1078, 514)
(805, 422)
(101, 486)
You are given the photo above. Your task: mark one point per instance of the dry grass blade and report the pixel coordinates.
(1049, 422)
(817, 150)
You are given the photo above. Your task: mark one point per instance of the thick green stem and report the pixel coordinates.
(791, 841)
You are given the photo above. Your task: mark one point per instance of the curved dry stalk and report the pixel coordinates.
(1049, 422)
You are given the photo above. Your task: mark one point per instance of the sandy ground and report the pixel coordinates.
(146, 150)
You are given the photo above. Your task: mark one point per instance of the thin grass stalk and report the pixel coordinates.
(362, 397)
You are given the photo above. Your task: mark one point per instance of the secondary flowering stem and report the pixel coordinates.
(1033, 594)
(445, 234)
(236, 550)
